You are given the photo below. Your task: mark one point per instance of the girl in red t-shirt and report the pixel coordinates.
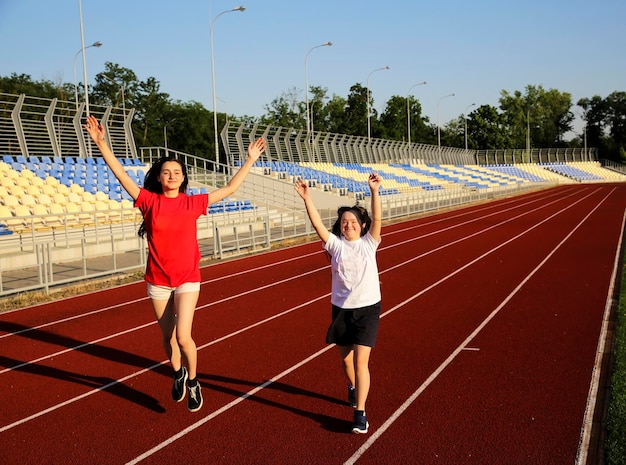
(173, 268)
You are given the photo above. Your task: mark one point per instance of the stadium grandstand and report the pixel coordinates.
(64, 217)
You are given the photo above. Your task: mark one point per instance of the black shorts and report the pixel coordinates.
(354, 326)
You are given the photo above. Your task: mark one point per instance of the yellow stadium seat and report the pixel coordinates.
(102, 211)
(57, 215)
(63, 189)
(5, 212)
(17, 191)
(27, 200)
(37, 182)
(51, 181)
(9, 220)
(23, 182)
(13, 174)
(59, 198)
(76, 188)
(39, 220)
(5, 181)
(87, 209)
(44, 199)
(3, 191)
(88, 197)
(25, 215)
(72, 211)
(10, 201)
(48, 189)
(74, 197)
(101, 196)
(33, 190)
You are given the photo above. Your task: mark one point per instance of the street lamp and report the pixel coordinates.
(368, 100)
(408, 111)
(165, 132)
(309, 124)
(465, 119)
(438, 128)
(217, 147)
(95, 44)
(121, 86)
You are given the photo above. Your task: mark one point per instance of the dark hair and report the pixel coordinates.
(151, 182)
(361, 215)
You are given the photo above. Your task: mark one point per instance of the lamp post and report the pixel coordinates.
(121, 86)
(408, 110)
(438, 128)
(368, 100)
(217, 147)
(309, 124)
(165, 132)
(95, 44)
(465, 119)
(528, 133)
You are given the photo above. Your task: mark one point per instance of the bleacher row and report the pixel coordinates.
(44, 193)
(406, 177)
(41, 193)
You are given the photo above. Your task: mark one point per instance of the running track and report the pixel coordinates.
(487, 352)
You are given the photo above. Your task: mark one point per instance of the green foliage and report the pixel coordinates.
(543, 115)
(615, 445)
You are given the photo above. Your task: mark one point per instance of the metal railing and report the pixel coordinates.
(293, 145)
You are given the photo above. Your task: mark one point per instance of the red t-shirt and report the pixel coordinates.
(171, 230)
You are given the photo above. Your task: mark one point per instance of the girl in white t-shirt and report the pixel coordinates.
(355, 295)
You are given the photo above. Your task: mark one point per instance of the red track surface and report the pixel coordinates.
(492, 317)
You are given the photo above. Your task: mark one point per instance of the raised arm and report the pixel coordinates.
(254, 151)
(302, 188)
(96, 131)
(374, 182)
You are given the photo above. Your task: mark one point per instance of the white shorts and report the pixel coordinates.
(165, 292)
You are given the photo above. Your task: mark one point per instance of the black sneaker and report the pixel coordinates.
(194, 402)
(352, 397)
(360, 425)
(178, 390)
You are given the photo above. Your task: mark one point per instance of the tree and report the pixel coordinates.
(543, 116)
(317, 110)
(112, 82)
(335, 110)
(355, 121)
(393, 120)
(286, 111)
(605, 122)
(487, 129)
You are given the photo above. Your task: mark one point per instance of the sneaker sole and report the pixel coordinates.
(197, 408)
(361, 431)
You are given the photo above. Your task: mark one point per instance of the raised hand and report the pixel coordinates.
(94, 128)
(302, 188)
(256, 148)
(374, 181)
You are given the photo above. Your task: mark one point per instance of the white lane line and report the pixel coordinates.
(592, 396)
(379, 432)
(69, 401)
(226, 299)
(153, 367)
(409, 401)
(270, 265)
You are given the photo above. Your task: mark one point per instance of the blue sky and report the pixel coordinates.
(473, 49)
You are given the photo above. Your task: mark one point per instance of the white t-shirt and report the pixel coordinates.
(355, 281)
